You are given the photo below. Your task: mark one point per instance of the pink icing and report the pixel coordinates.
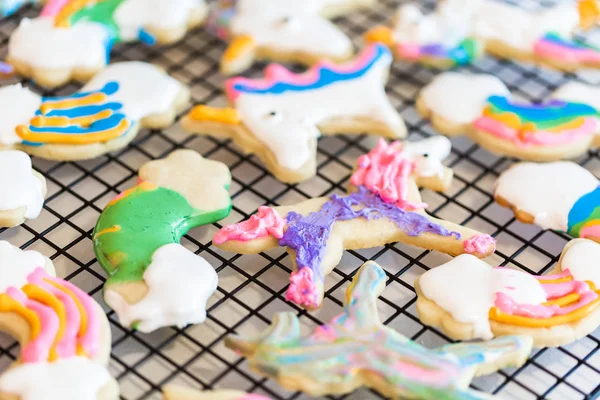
(553, 291)
(497, 128)
(386, 171)
(276, 73)
(409, 51)
(479, 244)
(266, 223)
(428, 376)
(53, 7)
(302, 289)
(563, 53)
(37, 350)
(590, 231)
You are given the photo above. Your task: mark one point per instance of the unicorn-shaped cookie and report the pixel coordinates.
(154, 281)
(383, 206)
(104, 116)
(355, 349)
(561, 196)
(467, 298)
(280, 117)
(481, 106)
(458, 31)
(64, 334)
(72, 39)
(283, 30)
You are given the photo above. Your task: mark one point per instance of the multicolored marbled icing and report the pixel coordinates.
(140, 221)
(267, 222)
(465, 53)
(555, 47)
(279, 80)
(81, 118)
(356, 349)
(308, 236)
(553, 123)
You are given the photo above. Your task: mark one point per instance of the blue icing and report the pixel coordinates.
(571, 44)
(146, 37)
(98, 126)
(83, 110)
(108, 89)
(583, 208)
(326, 77)
(545, 112)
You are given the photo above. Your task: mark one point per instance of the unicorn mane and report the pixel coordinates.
(279, 80)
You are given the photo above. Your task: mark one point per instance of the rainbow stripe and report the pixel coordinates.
(279, 80)
(82, 118)
(554, 122)
(563, 50)
(584, 217)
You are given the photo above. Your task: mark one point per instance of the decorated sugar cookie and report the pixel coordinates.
(172, 392)
(282, 30)
(459, 31)
(280, 117)
(103, 116)
(22, 189)
(467, 298)
(72, 39)
(561, 196)
(383, 206)
(64, 334)
(154, 281)
(480, 106)
(9, 7)
(355, 349)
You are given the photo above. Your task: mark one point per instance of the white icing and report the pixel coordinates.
(290, 26)
(75, 378)
(133, 15)
(18, 186)
(179, 285)
(456, 20)
(581, 259)
(143, 88)
(37, 42)
(17, 264)
(545, 191)
(466, 287)
(18, 105)
(298, 113)
(578, 92)
(428, 155)
(460, 98)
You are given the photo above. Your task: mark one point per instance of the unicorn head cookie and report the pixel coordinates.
(282, 30)
(383, 206)
(281, 116)
(561, 196)
(72, 39)
(458, 31)
(355, 349)
(63, 333)
(104, 116)
(470, 299)
(481, 107)
(154, 281)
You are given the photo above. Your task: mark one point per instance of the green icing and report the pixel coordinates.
(101, 12)
(148, 219)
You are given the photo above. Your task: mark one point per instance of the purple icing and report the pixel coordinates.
(308, 235)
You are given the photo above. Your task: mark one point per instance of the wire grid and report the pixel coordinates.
(252, 288)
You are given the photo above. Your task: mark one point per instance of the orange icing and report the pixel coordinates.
(26, 134)
(227, 116)
(589, 11)
(240, 47)
(64, 104)
(8, 304)
(380, 34)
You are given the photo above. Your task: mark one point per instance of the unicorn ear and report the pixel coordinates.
(227, 116)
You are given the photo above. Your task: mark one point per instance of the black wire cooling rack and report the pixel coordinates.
(252, 288)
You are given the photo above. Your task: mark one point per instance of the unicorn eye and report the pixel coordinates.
(273, 116)
(426, 155)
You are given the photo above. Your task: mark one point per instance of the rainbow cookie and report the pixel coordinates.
(104, 116)
(355, 349)
(561, 196)
(480, 105)
(22, 189)
(383, 206)
(468, 299)
(459, 31)
(64, 334)
(72, 39)
(154, 281)
(173, 392)
(282, 30)
(280, 117)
